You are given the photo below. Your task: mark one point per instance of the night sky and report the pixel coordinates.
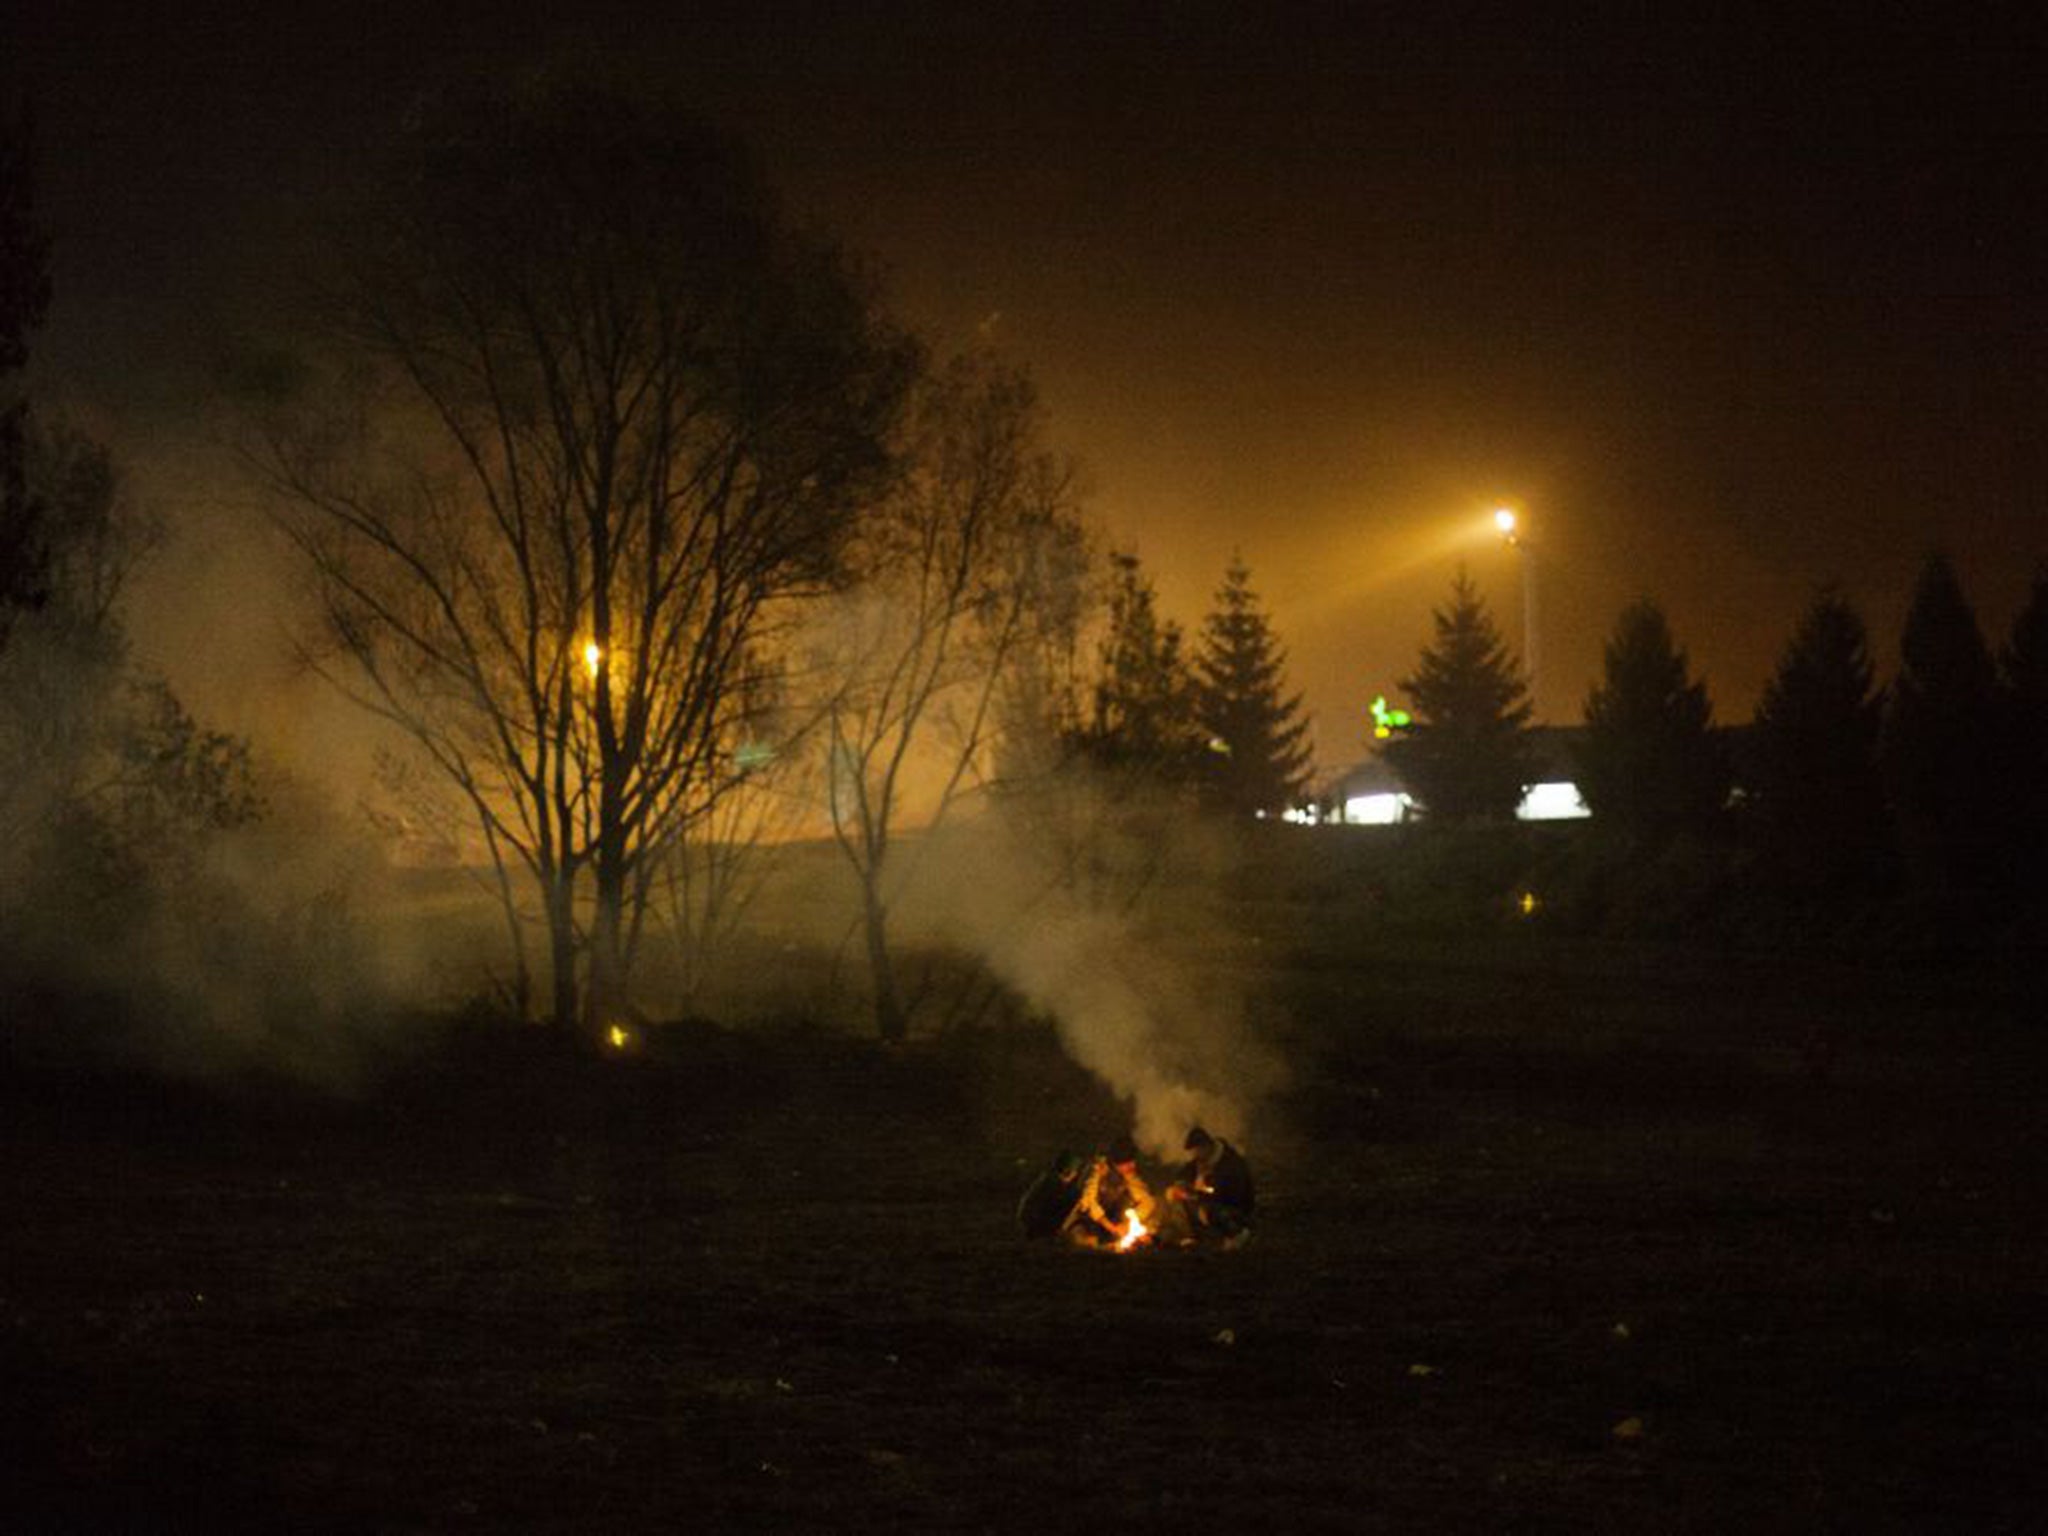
(1730, 304)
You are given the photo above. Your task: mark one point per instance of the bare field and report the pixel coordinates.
(1546, 1245)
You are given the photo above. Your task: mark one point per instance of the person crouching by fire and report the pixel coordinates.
(1213, 1195)
(1049, 1203)
(1113, 1197)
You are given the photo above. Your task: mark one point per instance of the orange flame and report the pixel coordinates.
(1135, 1232)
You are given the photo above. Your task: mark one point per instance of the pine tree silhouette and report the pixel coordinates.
(2023, 668)
(1945, 748)
(1650, 767)
(1468, 757)
(1818, 808)
(1143, 715)
(1258, 751)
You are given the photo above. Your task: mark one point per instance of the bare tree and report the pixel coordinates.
(602, 417)
(706, 883)
(956, 566)
(417, 812)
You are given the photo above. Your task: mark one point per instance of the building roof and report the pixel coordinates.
(1555, 749)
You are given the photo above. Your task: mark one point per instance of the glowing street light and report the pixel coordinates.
(593, 659)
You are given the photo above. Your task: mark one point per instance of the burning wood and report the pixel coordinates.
(1135, 1231)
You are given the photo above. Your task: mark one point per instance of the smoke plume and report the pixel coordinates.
(1102, 916)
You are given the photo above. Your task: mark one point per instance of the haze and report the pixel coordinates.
(1729, 308)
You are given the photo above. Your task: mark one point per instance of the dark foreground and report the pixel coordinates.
(1611, 1260)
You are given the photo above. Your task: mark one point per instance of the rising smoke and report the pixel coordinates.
(164, 903)
(1103, 913)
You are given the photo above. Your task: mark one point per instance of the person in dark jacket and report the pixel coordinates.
(1213, 1195)
(1050, 1201)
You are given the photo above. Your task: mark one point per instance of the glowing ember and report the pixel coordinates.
(1135, 1232)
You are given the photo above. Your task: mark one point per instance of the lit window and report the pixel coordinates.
(1551, 802)
(1377, 810)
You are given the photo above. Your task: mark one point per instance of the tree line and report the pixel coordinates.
(1931, 787)
(643, 527)
(647, 531)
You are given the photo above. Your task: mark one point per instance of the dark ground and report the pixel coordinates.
(1544, 1248)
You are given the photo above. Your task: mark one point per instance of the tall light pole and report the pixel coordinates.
(1510, 526)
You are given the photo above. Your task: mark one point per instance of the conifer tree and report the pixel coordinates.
(1943, 747)
(2023, 664)
(1650, 766)
(1143, 716)
(1818, 808)
(2023, 669)
(1468, 756)
(1257, 739)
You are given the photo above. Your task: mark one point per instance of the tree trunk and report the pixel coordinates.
(521, 998)
(561, 901)
(890, 1022)
(606, 996)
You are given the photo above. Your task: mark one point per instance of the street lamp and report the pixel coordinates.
(1510, 525)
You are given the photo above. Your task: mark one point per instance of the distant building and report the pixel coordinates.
(1371, 794)
(1554, 796)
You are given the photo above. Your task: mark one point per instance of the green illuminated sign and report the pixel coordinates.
(1386, 721)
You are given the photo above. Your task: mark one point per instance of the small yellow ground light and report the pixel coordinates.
(617, 1037)
(1528, 904)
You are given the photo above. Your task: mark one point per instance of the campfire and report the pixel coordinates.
(1112, 1209)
